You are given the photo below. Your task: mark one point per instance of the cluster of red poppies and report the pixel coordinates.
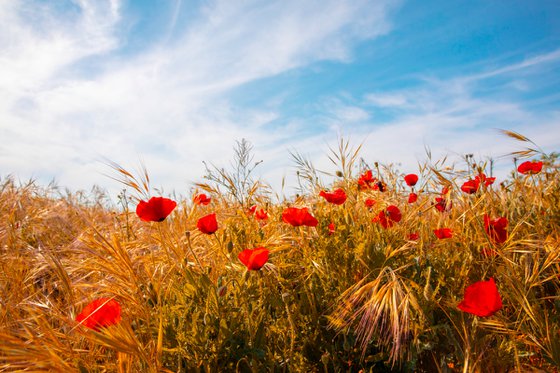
(367, 181)
(481, 298)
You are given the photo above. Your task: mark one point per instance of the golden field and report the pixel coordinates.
(346, 295)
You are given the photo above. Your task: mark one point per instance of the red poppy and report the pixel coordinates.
(202, 199)
(445, 190)
(412, 197)
(367, 181)
(254, 259)
(496, 229)
(261, 215)
(483, 179)
(442, 204)
(388, 217)
(413, 236)
(481, 299)
(470, 187)
(207, 224)
(100, 313)
(530, 167)
(473, 185)
(252, 209)
(332, 228)
(298, 216)
(411, 179)
(370, 202)
(156, 209)
(443, 233)
(338, 197)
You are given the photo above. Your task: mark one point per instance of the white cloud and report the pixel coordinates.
(387, 100)
(38, 42)
(68, 97)
(448, 115)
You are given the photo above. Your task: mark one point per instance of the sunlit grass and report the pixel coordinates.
(359, 297)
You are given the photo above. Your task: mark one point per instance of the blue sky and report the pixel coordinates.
(176, 82)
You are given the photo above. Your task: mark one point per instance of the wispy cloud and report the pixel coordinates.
(523, 66)
(69, 97)
(451, 116)
(72, 91)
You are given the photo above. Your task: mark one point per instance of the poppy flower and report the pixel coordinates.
(530, 167)
(442, 204)
(254, 259)
(470, 187)
(261, 215)
(252, 210)
(483, 179)
(496, 229)
(207, 224)
(332, 228)
(100, 313)
(338, 197)
(411, 179)
(473, 185)
(367, 181)
(370, 202)
(156, 209)
(298, 216)
(443, 233)
(413, 236)
(481, 299)
(412, 197)
(445, 190)
(202, 199)
(388, 217)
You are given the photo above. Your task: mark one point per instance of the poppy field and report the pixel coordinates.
(441, 268)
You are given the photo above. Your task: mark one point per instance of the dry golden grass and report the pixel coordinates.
(363, 297)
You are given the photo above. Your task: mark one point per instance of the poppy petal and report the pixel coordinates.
(338, 197)
(254, 259)
(100, 313)
(530, 167)
(411, 179)
(207, 224)
(496, 229)
(388, 217)
(412, 197)
(156, 209)
(481, 299)
(298, 217)
(443, 233)
(202, 199)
